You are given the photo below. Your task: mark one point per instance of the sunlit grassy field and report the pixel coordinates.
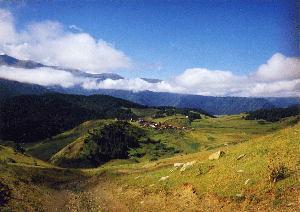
(246, 181)
(260, 168)
(200, 135)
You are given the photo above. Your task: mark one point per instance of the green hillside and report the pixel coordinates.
(156, 163)
(261, 173)
(9, 155)
(46, 148)
(114, 140)
(171, 136)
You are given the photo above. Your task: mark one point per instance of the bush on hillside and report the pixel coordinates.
(110, 142)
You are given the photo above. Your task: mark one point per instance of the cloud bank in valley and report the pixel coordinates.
(197, 81)
(49, 43)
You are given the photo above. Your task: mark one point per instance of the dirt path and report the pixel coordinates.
(93, 195)
(105, 199)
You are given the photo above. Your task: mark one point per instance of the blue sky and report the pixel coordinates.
(166, 39)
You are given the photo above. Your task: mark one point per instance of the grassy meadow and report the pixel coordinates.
(267, 177)
(259, 171)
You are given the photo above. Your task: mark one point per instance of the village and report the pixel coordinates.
(158, 125)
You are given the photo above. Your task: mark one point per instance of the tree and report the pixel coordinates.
(112, 141)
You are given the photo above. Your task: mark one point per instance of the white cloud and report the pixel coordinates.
(124, 84)
(205, 82)
(78, 51)
(279, 77)
(43, 31)
(192, 81)
(7, 32)
(40, 76)
(200, 76)
(280, 89)
(278, 67)
(47, 42)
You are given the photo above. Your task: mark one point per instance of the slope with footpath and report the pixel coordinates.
(259, 174)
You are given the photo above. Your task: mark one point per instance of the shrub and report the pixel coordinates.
(277, 172)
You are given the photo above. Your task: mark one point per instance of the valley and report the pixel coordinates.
(166, 168)
(149, 106)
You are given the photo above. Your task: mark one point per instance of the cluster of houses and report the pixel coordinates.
(151, 124)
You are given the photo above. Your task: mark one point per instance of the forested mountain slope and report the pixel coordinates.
(30, 118)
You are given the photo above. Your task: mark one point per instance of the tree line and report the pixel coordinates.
(273, 114)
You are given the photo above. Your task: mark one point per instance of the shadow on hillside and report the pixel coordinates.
(78, 163)
(62, 137)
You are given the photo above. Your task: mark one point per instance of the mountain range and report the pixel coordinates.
(213, 105)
